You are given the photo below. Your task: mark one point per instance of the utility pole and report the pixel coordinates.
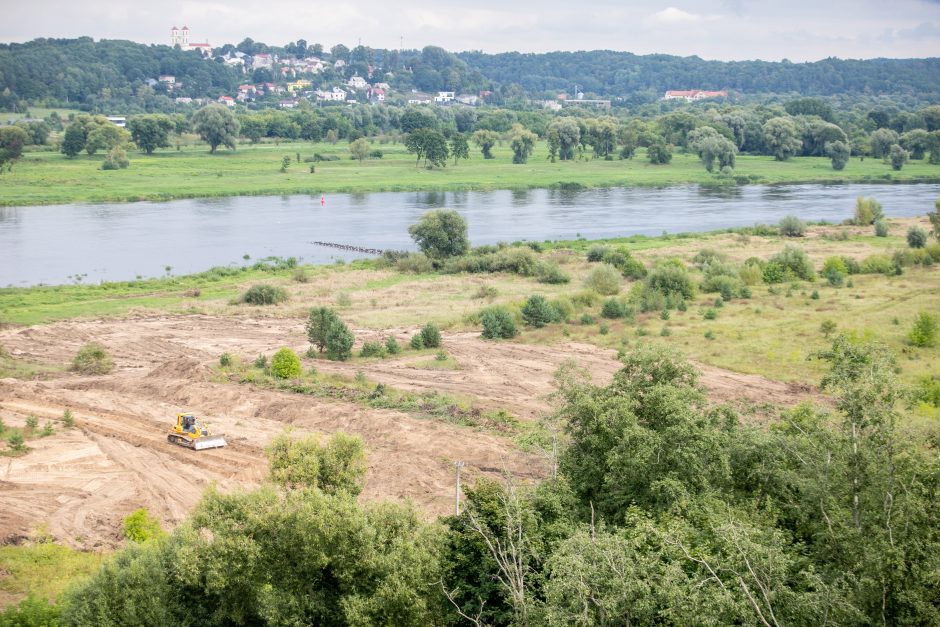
(458, 466)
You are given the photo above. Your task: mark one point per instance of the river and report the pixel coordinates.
(109, 242)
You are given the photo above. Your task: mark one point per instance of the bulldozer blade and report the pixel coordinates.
(212, 441)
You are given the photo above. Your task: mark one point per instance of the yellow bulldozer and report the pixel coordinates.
(189, 432)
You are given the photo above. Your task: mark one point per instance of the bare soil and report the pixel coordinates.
(81, 482)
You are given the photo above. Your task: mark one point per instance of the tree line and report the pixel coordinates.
(111, 75)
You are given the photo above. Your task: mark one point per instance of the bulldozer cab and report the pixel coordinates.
(188, 423)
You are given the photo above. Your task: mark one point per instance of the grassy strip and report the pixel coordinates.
(425, 405)
(50, 178)
(44, 569)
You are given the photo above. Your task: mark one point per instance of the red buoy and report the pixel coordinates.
(322, 200)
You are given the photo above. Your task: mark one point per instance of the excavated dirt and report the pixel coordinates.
(81, 482)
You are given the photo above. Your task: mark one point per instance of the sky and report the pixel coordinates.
(798, 30)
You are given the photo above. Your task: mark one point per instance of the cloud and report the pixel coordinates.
(672, 15)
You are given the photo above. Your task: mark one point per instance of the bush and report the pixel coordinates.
(225, 360)
(537, 312)
(318, 324)
(867, 211)
(416, 342)
(672, 280)
(877, 264)
(613, 309)
(339, 341)
(924, 331)
(498, 323)
(140, 526)
(795, 263)
(264, 294)
(392, 346)
(301, 275)
(834, 271)
(710, 314)
(916, 237)
(605, 280)
(92, 359)
(415, 263)
(430, 336)
(68, 420)
(791, 226)
(16, 441)
(597, 253)
(285, 364)
(372, 349)
(486, 291)
(751, 274)
(549, 272)
(261, 362)
(723, 284)
(881, 228)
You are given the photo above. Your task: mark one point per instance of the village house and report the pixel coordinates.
(228, 101)
(299, 85)
(262, 61)
(376, 94)
(443, 97)
(468, 99)
(357, 82)
(336, 95)
(694, 94)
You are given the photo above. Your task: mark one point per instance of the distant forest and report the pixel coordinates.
(90, 74)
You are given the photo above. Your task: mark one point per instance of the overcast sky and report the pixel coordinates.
(799, 30)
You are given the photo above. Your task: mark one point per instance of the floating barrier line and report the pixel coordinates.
(348, 247)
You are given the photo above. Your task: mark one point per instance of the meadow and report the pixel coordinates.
(47, 177)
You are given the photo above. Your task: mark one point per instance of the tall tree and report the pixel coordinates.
(782, 137)
(217, 126)
(150, 132)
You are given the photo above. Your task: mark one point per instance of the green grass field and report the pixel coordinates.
(50, 178)
(43, 569)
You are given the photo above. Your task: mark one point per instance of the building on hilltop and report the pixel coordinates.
(694, 94)
(180, 37)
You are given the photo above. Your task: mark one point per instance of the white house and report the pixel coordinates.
(262, 60)
(228, 101)
(357, 82)
(443, 97)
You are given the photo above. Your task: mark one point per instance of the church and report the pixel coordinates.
(180, 37)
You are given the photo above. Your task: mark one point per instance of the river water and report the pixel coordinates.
(52, 244)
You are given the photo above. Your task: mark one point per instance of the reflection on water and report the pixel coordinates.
(114, 241)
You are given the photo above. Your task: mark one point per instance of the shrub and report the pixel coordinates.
(881, 228)
(613, 308)
(827, 328)
(604, 329)
(751, 274)
(795, 263)
(416, 342)
(415, 263)
(92, 359)
(877, 264)
(563, 308)
(32, 422)
(916, 237)
(16, 441)
(928, 391)
(585, 298)
(924, 331)
(285, 364)
(392, 346)
(605, 280)
(225, 360)
(264, 294)
(708, 255)
(834, 271)
(745, 292)
(430, 336)
(537, 312)
(549, 272)
(815, 295)
(723, 284)
(261, 361)
(498, 323)
(318, 323)
(597, 253)
(68, 420)
(671, 279)
(791, 226)
(339, 341)
(140, 526)
(372, 349)
(587, 319)
(301, 275)
(867, 211)
(486, 291)
(710, 314)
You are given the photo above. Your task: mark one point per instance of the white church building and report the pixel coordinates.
(180, 37)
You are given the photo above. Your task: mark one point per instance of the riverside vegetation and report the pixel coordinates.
(659, 505)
